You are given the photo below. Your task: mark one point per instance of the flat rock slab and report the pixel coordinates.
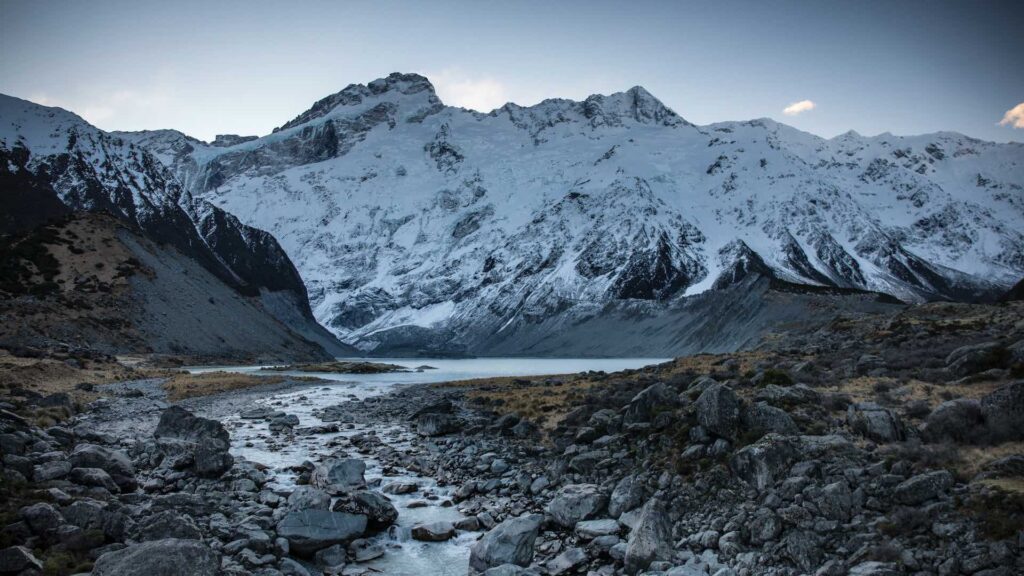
(310, 530)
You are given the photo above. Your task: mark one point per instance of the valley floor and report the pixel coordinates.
(885, 444)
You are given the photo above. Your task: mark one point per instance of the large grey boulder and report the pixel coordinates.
(43, 519)
(168, 524)
(379, 511)
(576, 502)
(433, 531)
(627, 495)
(650, 539)
(309, 498)
(435, 424)
(763, 418)
(976, 358)
(96, 477)
(1003, 410)
(875, 422)
(310, 530)
(959, 420)
(764, 461)
(177, 422)
(188, 440)
(510, 542)
(644, 406)
(211, 458)
(170, 557)
(343, 474)
(923, 487)
(113, 462)
(718, 411)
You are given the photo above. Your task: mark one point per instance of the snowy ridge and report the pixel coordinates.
(410, 220)
(91, 170)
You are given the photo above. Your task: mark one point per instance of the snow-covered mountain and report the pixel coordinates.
(69, 165)
(418, 224)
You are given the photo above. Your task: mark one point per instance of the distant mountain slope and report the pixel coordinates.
(90, 281)
(446, 228)
(53, 162)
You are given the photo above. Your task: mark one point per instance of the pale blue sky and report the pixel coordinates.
(244, 67)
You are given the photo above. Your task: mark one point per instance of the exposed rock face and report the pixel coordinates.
(650, 539)
(169, 557)
(576, 502)
(643, 214)
(310, 530)
(510, 542)
(61, 159)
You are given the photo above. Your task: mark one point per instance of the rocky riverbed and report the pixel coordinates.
(836, 454)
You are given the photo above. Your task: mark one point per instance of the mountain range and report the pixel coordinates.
(607, 226)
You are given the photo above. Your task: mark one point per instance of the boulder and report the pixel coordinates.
(576, 502)
(433, 532)
(763, 418)
(211, 458)
(967, 360)
(310, 530)
(627, 495)
(804, 549)
(510, 542)
(650, 539)
(923, 487)
(343, 474)
(309, 498)
(113, 462)
(43, 519)
(170, 557)
(644, 406)
(762, 462)
(875, 422)
(764, 526)
(96, 477)
(590, 529)
(176, 422)
(718, 411)
(957, 420)
(18, 559)
(434, 424)
(283, 423)
(788, 396)
(379, 511)
(566, 561)
(1003, 410)
(168, 524)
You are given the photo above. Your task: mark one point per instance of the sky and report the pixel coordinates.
(207, 68)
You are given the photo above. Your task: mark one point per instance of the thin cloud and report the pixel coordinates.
(799, 107)
(1014, 117)
(482, 94)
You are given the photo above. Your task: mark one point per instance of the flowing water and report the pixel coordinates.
(403, 556)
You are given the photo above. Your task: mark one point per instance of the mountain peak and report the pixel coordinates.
(354, 94)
